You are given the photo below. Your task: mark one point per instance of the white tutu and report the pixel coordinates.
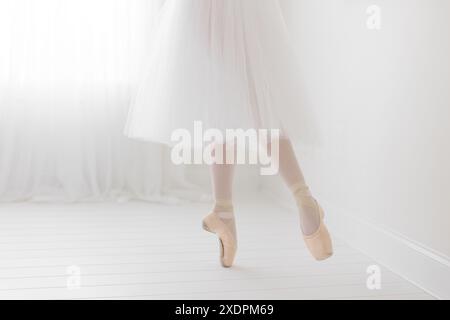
(228, 64)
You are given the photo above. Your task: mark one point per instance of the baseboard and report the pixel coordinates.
(414, 262)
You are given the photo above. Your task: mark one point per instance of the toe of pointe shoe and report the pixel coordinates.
(228, 250)
(319, 244)
(228, 245)
(227, 260)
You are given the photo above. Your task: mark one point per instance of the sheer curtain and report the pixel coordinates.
(68, 69)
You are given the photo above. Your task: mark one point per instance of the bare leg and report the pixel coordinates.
(222, 179)
(221, 221)
(294, 179)
(222, 176)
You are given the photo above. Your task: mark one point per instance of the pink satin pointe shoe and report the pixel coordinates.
(226, 233)
(318, 243)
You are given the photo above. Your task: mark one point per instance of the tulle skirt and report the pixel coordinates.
(226, 63)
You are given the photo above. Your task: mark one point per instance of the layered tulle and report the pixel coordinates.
(228, 64)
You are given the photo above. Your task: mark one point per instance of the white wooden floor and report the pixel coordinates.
(148, 251)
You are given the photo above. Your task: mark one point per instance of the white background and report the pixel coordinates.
(68, 69)
(383, 98)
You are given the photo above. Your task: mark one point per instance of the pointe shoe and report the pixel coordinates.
(228, 244)
(319, 243)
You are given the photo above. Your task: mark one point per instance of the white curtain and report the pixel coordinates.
(68, 69)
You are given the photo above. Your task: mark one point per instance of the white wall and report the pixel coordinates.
(383, 101)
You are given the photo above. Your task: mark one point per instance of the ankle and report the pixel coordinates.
(300, 190)
(223, 206)
(302, 194)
